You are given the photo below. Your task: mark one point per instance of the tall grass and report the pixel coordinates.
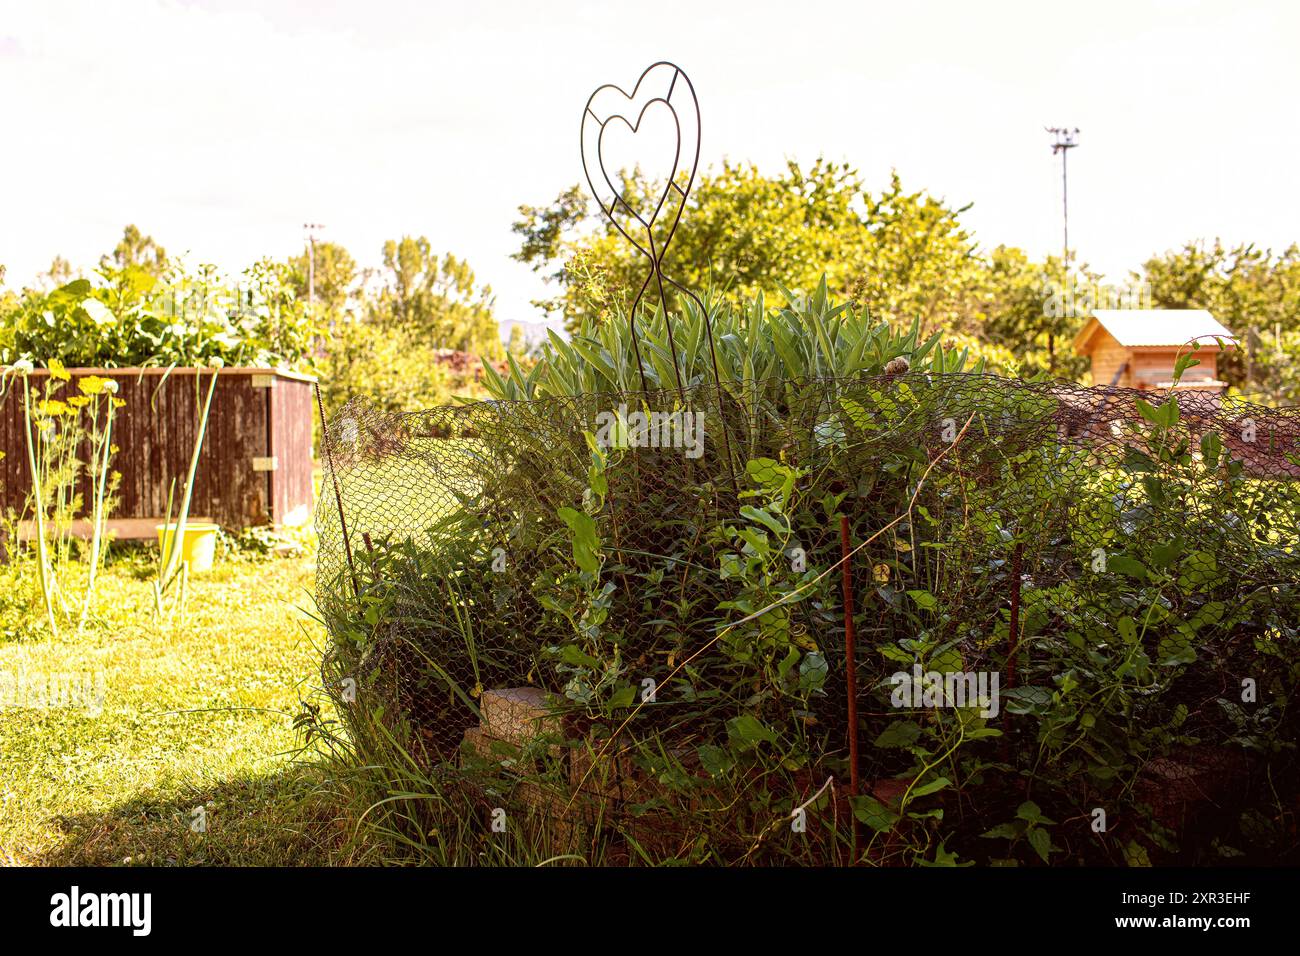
(171, 569)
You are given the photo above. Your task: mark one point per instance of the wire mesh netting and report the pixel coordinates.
(1076, 615)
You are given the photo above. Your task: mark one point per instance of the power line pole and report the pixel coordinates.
(1066, 140)
(311, 229)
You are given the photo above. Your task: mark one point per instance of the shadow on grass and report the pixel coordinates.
(288, 818)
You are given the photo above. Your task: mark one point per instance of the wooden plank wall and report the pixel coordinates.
(1107, 358)
(1153, 366)
(293, 410)
(156, 430)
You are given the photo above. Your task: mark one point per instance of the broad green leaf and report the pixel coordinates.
(747, 731)
(873, 813)
(777, 525)
(934, 786)
(1127, 565)
(715, 760)
(901, 733)
(1041, 841)
(586, 542)
(622, 698)
(924, 600)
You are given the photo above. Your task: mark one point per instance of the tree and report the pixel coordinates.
(8, 303)
(920, 262)
(434, 299)
(1255, 293)
(390, 344)
(136, 251)
(337, 285)
(517, 345)
(741, 228)
(59, 273)
(392, 372)
(902, 254)
(1029, 309)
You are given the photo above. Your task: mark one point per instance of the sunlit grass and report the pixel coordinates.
(196, 715)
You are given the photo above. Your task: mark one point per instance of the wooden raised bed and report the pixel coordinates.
(256, 464)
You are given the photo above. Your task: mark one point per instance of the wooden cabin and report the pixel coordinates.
(1137, 348)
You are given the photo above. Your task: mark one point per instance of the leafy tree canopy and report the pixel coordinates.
(136, 251)
(905, 255)
(337, 280)
(1254, 292)
(437, 298)
(387, 333)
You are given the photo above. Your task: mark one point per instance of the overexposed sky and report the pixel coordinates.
(221, 126)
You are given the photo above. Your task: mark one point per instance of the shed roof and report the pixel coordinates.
(1137, 328)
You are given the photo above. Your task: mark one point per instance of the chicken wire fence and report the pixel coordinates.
(1074, 615)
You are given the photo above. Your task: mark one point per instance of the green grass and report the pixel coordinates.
(200, 714)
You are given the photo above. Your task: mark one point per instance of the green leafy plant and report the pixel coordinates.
(759, 350)
(125, 317)
(684, 612)
(69, 443)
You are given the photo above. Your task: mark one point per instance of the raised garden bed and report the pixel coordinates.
(256, 463)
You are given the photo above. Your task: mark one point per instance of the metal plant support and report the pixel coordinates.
(608, 105)
(604, 108)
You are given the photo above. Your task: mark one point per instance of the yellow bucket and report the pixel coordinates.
(198, 547)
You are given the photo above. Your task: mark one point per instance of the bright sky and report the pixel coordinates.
(221, 126)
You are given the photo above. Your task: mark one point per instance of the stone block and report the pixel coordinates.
(517, 715)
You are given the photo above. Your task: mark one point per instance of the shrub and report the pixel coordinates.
(507, 543)
(755, 346)
(127, 317)
(392, 369)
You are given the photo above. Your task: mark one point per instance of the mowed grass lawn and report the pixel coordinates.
(196, 715)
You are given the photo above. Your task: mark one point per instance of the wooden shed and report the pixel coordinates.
(256, 463)
(1137, 348)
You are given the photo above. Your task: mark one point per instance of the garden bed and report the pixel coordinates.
(256, 463)
(1128, 589)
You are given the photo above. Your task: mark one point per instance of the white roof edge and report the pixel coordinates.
(1161, 327)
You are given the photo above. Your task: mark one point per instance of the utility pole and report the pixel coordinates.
(311, 229)
(1065, 140)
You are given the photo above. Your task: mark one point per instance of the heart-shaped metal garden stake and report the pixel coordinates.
(662, 88)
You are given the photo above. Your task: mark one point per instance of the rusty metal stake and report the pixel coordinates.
(1013, 626)
(850, 670)
(1013, 636)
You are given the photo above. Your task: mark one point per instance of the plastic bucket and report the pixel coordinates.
(198, 548)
